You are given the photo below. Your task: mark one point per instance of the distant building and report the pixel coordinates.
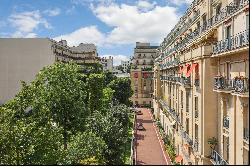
(125, 65)
(107, 63)
(22, 59)
(141, 73)
(123, 75)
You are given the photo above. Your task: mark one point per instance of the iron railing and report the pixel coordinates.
(226, 122)
(196, 145)
(169, 110)
(237, 84)
(224, 14)
(234, 42)
(217, 159)
(186, 137)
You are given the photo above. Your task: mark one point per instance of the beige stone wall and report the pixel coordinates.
(21, 59)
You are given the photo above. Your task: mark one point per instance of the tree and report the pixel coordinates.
(122, 89)
(23, 141)
(107, 98)
(95, 90)
(85, 148)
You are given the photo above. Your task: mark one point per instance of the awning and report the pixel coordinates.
(190, 71)
(178, 158)
(182, 68)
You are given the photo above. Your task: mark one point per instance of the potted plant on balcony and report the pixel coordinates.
(212, 142)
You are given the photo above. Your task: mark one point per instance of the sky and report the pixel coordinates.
(113, 25)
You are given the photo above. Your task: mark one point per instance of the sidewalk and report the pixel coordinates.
(149, 145)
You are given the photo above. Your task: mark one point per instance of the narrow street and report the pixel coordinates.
(149, 145)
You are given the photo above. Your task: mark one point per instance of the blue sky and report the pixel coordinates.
(113, 25)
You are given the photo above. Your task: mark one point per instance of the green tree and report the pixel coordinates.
(122, 89)
(107, 98)
(83, 147)
(95, 90)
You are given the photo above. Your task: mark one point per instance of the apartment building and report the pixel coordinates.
(141, 73)
(201, 83)
(107, 63)
(22, 59)
(125, 65)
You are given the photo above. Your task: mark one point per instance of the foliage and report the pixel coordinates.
(171, 151)
(95, 90)
(113, 129)
(107, 97)
(92, 68)
(84, 148)
(109, 76)
(27, 143)
(212, 142)
(122, 89)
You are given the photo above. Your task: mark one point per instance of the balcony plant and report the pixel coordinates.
(212, 142)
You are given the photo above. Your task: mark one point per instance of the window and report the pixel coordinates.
(187, 102)
(217, 10)
(228, 32)
(247, 21)
(181, 99)
(196, 103)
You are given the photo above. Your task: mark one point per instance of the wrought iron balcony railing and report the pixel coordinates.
(226, 122)
(237, 84)
(217, 159)
(224, 14)
(246, 134)
(232, 43)
(169, 110)
(196, 145)
(186, 137)
(196, 82)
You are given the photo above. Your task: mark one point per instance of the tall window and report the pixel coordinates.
(187, 125)
(181, 99)
(247, 21)
(196, 103)
(217, 10)
(228, 32)
(187, 101)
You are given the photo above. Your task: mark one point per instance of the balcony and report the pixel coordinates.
(196, 82)
(216, 159)
(196, 145)
(226, 122)
(236, 85)
(186, 137)
(225, 13)
(234, 42)
(246, 134)
(221, 83)
(172, 112)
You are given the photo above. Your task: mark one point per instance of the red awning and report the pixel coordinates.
(191, 69)
(182, 68)
(178, 158)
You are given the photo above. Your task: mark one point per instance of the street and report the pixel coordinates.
(149, 145)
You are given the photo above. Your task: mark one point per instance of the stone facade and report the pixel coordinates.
(107, 63)
(141, 73)
(201, 83)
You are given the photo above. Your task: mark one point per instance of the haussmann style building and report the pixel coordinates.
(141, 74)
(201, 83)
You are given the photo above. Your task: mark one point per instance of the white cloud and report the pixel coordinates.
(145, 5)
(117, 58)
(131, 25)
(52, 12)
(181, 2)
(26, 22)
(83, 35)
